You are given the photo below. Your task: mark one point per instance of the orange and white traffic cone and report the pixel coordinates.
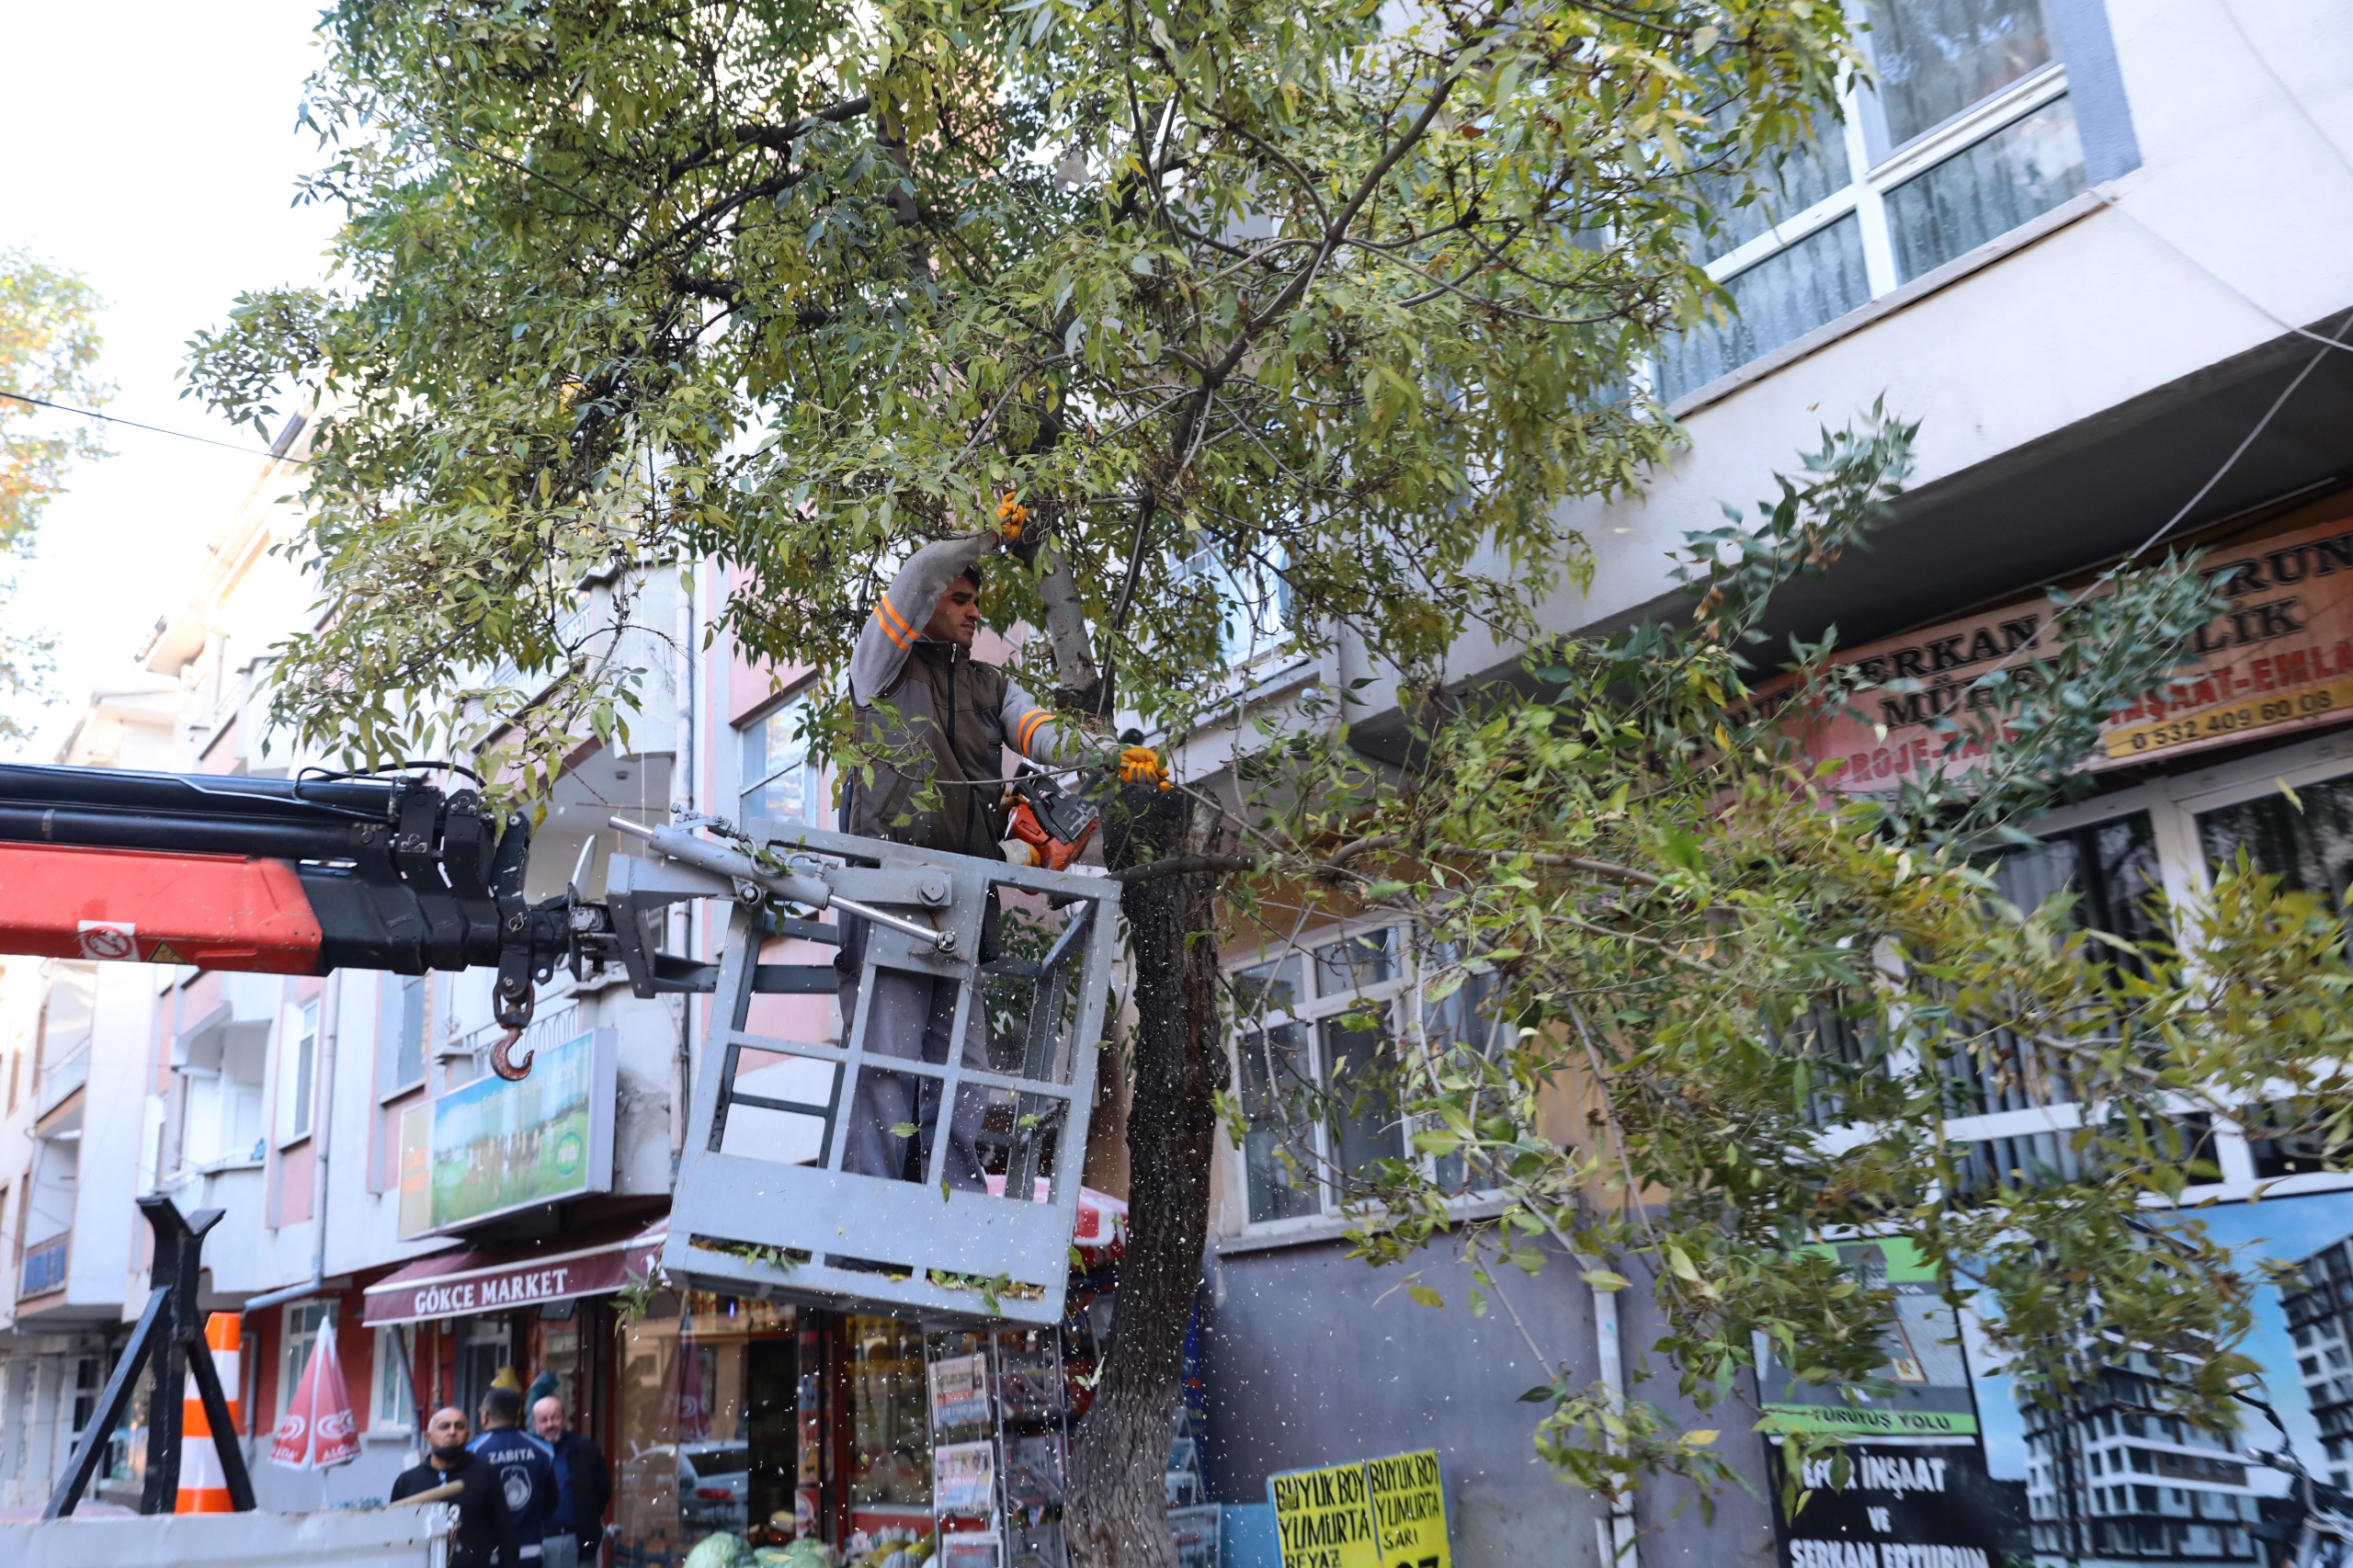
(204, 1489)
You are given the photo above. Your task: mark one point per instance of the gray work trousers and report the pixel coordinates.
(913, 1017)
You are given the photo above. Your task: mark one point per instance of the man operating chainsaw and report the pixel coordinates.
(935, 723)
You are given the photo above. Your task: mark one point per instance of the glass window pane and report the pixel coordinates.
(1934, 58)
(1810, 172)
(2310, 850)
(1365, 1125)
(1271, 987)
(890, 1425)
(1783, 297)
(1461, 1029)
(777, 779)
(2111, 868)
(1357, 961)
(2026, 168)
(1273, 1065)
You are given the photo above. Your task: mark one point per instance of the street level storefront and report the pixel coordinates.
(760, 1419)
(2243, 756)
(778, 1423)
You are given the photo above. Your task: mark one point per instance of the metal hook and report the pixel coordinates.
(511, 1072)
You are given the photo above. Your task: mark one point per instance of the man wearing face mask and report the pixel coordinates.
(935, 723)
(485, 1533)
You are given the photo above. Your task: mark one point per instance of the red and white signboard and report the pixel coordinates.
(2277, 660)
(458, 1284)
(318, 1430)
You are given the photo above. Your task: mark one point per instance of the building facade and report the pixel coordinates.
(2095, 250)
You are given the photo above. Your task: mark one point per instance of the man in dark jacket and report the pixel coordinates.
(935, 723)
(526, 1470)
(583, 1487)
(485, 1534)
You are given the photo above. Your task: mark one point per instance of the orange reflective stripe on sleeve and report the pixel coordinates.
(1029, 728)
(894, 625)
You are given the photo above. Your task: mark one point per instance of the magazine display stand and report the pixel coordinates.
(1000, 1449)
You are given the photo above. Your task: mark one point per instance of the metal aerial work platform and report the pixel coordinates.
(765, 1205)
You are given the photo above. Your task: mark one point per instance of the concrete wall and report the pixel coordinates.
(1311, 1358)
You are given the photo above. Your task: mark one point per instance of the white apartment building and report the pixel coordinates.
(2097, 249)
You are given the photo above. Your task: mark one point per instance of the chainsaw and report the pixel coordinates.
(1046, 825)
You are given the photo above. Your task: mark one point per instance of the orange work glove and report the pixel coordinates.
(1141, 765)
(1010, 515)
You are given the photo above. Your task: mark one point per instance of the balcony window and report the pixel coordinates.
(1936, 57)
(779, 777)
(1254, 603)
(1967, 134)
(220, 1095)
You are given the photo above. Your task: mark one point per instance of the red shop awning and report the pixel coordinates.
(489, 1280)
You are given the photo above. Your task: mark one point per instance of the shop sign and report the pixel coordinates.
(495, 1287)
(493, 1147)
(2277, 660)
(1915, 1491)
(1384, 1513)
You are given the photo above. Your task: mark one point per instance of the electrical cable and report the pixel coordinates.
(2240, 451)
(153, 429)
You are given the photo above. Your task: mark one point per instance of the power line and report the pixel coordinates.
(2240, 451)
(154, 429)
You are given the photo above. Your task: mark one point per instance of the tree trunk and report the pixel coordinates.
(1117, 1514)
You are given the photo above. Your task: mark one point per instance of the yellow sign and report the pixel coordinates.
(1324, 1519)
(1408, 1511)
(1386, 1513)
(2305, 704)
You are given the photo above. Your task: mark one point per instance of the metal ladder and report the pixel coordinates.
(766, 1203)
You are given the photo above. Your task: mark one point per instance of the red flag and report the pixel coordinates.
(318, 1430)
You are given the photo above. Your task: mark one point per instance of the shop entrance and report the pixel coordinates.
(486, 1344)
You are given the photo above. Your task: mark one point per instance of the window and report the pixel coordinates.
(1314, 1050)
(2306, 843)
(400, 1036)
(395, 1404)
(297, 1060)
(781, 779)
(1255, 604)
(1968, 134)
(68, 1019)
(303, 1322)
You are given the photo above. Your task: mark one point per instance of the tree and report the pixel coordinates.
(1767, 1001)
(1331, 293)
(48, 353)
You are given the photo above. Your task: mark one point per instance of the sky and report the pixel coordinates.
(155, 152)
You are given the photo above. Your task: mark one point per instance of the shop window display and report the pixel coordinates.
(706, 1436)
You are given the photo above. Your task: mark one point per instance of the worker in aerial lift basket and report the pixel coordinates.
(935, 723)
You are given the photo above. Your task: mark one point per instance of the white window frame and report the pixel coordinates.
(2174, 804)
(1401, 993)
(299, 1326)
(1270, 647)
(1873, 174)
(298, 1038)
(393, 1019)
(786, 709)
(392, 1404)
